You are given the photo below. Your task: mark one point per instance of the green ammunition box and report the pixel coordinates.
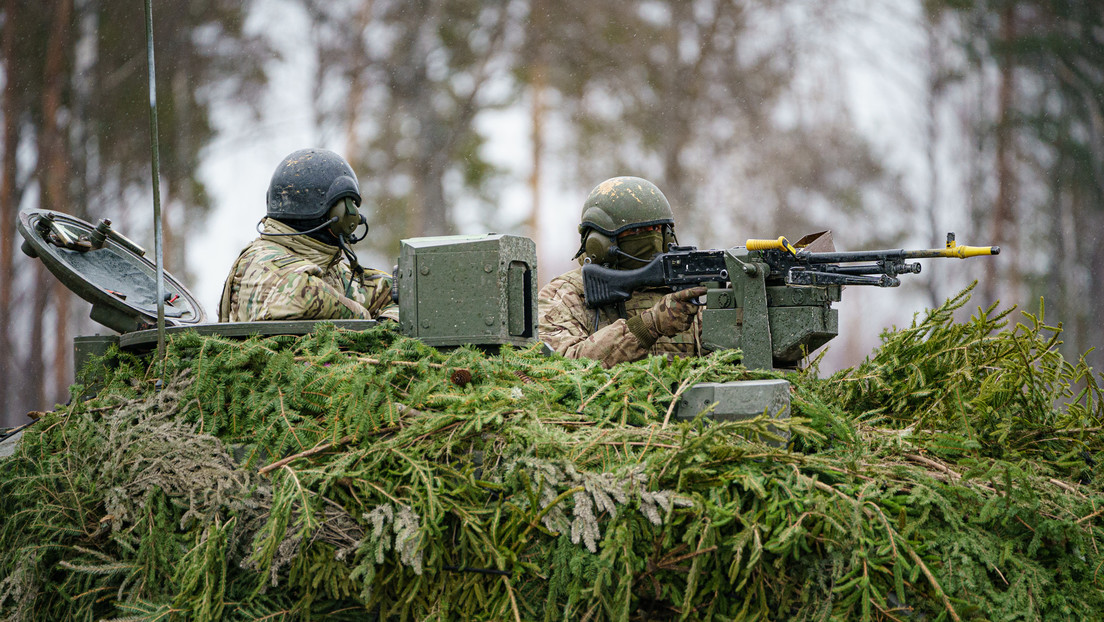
(479, 290)
(736, 401)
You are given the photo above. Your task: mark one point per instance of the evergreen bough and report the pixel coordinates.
(339, 475)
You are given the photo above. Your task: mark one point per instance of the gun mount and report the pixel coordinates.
(775, 324)
(771, 299)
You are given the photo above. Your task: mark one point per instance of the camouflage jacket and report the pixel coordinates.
(568, 326)
(300, 278)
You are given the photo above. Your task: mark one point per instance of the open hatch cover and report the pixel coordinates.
(106, 269)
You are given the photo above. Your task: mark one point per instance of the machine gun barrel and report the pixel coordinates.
(685, 266)
(951, 250)
(802, 267)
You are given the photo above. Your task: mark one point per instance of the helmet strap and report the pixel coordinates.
(616, 250)
(669, 237)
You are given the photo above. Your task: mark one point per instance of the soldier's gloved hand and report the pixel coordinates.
(671, 315)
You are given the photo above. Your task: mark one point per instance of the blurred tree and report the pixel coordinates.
(1042, 128)
(55, 173)
(407, 79)
(75, 116)
(699, 96)
(686, 93)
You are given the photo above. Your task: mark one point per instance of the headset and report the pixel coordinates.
(343, 219)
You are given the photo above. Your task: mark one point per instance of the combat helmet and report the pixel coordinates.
(313, 186)
(618, 205)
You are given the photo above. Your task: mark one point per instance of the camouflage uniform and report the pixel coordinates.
(567, 325)
(299, 278)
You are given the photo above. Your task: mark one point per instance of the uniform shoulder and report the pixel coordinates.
(569, 284)
(568, 281)
(268, 251)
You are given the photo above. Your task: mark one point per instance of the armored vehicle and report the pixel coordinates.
(452, 290)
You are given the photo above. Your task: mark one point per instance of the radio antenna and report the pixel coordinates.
(156, 163)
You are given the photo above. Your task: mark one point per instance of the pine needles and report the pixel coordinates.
(951, 476)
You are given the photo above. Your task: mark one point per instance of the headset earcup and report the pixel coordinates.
(597, 247)
(348, 218)
(669, 237)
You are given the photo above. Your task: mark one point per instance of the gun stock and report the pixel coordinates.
(604, 286)
(679, 268)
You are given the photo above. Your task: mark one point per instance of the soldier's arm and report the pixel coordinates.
(268, 283)
(295, 292)
(564, 318)
(375, 295)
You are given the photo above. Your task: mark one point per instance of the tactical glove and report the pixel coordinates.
(671, 315)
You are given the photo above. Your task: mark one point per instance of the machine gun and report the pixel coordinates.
(770, 298)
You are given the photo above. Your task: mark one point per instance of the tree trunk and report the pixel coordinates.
(1094, 262)
(53, 173)
(9, 208)
(1003, 209)
(538, 28)
(34, 366)
(534, 224)
(934, 97)
(430, 165)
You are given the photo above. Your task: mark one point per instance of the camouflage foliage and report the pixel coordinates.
(363, 475)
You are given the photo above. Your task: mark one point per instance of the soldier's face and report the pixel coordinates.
(642, 243)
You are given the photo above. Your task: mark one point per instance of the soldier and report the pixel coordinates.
(625, 222)
(295, 269)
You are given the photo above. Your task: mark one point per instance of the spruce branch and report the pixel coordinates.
(317, 449)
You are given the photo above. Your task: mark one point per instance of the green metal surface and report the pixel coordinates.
(84, 349)
(775, 325)
(88, 346)
(797, 331)
(479, 290)
(735, 401)
(10, 444)
(115, 277)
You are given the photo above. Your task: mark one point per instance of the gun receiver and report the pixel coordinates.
(771, 299)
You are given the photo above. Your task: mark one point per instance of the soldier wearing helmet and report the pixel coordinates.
(301, 266)
(625, 222)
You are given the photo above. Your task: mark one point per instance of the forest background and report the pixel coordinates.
(890, 123)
